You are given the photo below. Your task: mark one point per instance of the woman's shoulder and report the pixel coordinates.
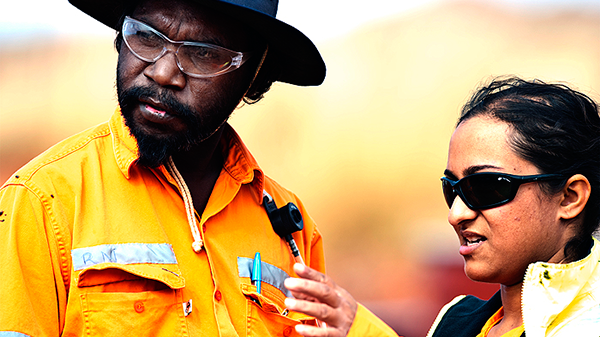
(464, 316)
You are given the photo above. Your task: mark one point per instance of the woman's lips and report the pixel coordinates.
(470, 242)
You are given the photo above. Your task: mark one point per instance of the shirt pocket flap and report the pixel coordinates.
(272, 300)
(105, 273)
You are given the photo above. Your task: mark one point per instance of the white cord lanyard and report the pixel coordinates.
(189, 205)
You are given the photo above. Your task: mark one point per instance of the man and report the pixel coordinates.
(150, 224)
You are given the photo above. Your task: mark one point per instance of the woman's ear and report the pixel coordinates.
(575, 196)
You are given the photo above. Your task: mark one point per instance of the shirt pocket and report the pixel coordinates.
(267, 315)
(131, 300)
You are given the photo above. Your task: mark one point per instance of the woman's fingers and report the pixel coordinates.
(313, 291)
(317, 295)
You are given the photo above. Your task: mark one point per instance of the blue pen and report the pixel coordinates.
(257, 271)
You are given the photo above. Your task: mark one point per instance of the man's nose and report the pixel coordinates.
(166, 72)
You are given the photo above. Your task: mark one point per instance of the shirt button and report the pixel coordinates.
(138, 306)
(218, 295)
(204, 228)
(287, 331)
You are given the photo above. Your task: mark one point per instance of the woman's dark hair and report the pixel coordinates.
(269, 71)
(555, 128)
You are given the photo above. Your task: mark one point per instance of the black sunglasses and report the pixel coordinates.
(488, 189)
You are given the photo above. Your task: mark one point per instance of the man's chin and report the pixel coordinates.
(153, 150)
(152, 161)
(156, 146)
(153, 153)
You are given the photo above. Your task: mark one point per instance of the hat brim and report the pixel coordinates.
(298, 58)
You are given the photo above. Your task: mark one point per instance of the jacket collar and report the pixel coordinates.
(239, 162)
(553, 287)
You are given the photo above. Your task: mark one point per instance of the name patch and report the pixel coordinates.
(123, 253)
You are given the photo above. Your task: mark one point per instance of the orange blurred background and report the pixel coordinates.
(364, 151)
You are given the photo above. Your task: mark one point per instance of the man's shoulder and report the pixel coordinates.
(66, 154)
(278, 192)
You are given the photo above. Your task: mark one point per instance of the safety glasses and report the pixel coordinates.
(196, 59)
(488, 189)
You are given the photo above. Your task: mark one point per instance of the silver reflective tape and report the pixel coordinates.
(123, 253)
(270, 274)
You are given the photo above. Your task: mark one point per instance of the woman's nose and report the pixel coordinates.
(460, 212)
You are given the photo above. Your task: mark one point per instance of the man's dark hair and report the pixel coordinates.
(555, 128)
(269, 71)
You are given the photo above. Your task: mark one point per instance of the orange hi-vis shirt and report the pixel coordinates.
(95, 245)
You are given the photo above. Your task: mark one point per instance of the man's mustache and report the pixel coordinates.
(132, 96)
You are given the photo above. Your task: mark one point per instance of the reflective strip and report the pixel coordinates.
(270, 274)
(12, 334)
(124, 253)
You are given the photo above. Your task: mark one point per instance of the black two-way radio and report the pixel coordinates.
(285, 221)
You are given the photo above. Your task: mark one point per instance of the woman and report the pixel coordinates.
(523, 183)
(523, 186)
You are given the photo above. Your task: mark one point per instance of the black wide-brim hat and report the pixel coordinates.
(299, 60)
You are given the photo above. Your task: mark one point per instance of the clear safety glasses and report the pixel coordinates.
(195, 59)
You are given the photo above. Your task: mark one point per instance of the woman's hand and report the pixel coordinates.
(317, 295)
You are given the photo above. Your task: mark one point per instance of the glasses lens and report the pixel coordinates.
(142, 40)
(193, 58)
(448, 191)
(485, 190)
(204, 59)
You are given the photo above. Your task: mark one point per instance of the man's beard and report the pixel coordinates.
(154, 150)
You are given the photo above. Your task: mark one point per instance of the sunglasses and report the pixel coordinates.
(488, 189)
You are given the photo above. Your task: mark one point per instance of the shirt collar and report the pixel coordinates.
(124, 144)
(239, 162)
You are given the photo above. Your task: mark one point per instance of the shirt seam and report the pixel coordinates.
(58, 241)
(28, 175)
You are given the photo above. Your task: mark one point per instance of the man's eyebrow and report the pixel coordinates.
(210, 40)
(206, 39)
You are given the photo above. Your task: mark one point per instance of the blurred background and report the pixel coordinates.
(364, 151)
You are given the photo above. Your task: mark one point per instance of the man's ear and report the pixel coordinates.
(575, 196)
